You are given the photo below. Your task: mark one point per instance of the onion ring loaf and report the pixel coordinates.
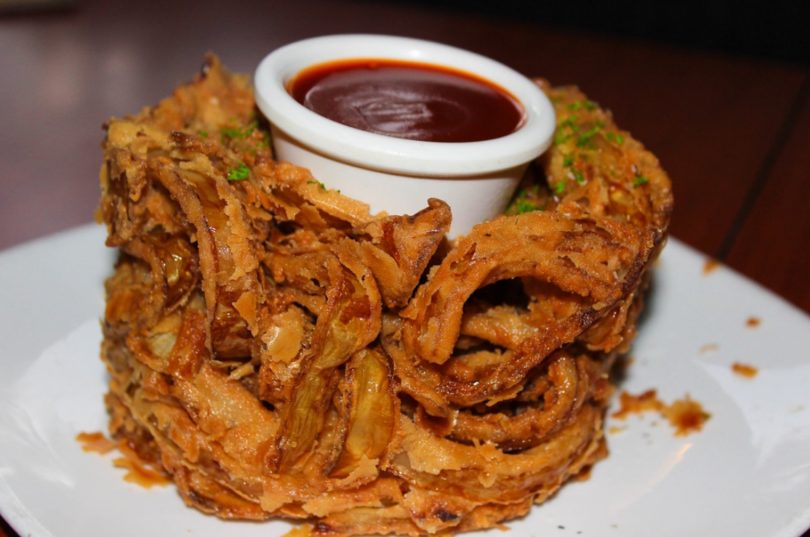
(281, 352)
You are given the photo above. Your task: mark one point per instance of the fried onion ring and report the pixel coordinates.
(278, 351)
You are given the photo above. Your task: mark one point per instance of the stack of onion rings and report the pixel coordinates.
(280, 352)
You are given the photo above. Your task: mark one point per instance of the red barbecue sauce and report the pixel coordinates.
(408, 100)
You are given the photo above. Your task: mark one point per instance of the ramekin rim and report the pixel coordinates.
(392, 154)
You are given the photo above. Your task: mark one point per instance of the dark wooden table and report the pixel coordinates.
(733, 132)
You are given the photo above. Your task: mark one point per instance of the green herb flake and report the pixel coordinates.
(559, 187)
(615, 137)
(238, 133)
(561, 138)
(239, 173)
(585, 138)
(569, 123)
(640, 180)
(568, 161)
(525, 206)
(202, 133)
(230, 132)
(578, 177)
(579, 105)
(315, 182)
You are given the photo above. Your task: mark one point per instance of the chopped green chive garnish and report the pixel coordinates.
(239, 173)
(202, 133)
(265, 141)
(585, 138)
(640, 180)
(315, 182)
(231, 132)
(559, 187)
(561, 138)
(523, 193)
(568, 123)
(525, 206)
(578, 176)
(238, 133)
(579, 105)
(568, 160)
(615, 137)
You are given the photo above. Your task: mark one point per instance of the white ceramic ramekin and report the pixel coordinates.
(397, 175)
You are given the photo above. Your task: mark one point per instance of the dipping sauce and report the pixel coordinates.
(408, 100)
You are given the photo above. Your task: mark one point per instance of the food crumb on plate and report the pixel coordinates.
(95, 442)
(744, 370)
(710, 266)
(304, 530)
(139, 471)
(635, 404)
(709, 347)
(684, 415)
(753, 322)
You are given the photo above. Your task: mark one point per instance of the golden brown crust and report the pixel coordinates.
(281, 352)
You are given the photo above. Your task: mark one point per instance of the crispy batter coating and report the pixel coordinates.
(281, 352)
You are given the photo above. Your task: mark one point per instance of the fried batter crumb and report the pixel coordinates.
(744, 370)
(138, 472)
(304, 530)
(709, 347)
(684, 415)
(95, 442)
(753, 322)
(636, 404)
(710, 266)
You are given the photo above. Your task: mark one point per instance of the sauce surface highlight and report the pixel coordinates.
(408, 100)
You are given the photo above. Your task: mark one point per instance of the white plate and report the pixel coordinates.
(746, 474)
